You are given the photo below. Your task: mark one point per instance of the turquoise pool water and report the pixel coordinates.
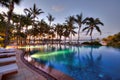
(81, 63)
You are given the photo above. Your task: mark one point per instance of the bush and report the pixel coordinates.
(86, 43)
(96, 43)
(113, 41)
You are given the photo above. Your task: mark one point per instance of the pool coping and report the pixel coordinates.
(54, 75)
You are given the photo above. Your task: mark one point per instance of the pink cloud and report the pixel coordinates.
(57, 8)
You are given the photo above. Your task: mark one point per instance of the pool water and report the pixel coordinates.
(81, 63)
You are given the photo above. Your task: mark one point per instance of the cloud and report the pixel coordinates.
(57, 8)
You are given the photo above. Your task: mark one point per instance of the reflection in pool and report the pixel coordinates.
(81, 63)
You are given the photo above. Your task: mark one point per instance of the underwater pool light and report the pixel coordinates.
(38, 55)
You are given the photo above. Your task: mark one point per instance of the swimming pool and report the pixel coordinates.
(81, 63)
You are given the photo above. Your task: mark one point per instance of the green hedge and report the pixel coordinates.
(92, 43)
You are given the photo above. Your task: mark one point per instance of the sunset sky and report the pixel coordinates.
(107, 10)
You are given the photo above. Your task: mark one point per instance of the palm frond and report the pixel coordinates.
(98, 29)
(101, 23)
(26, 11)
(88, 31)
(91, 31)
(73, 32)
(17, 1)
(4, 3)
(85, 28)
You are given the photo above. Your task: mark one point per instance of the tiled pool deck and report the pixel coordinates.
(24, 72)
(28, 72)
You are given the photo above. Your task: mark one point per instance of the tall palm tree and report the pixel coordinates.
(71, 27)
(59, 30)
(35, 32)
(19, 21)
(10, 5)
(50, 19)
(92, 24)
(34, 12)
(2, 26)
(66, 32)
(17, 28)
(79, 20)
(43, 28)
(27, 22)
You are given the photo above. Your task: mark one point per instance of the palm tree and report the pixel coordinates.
(17, 28)
(42, 27)
(10, 5)
(19, 22)
(92, 24)
(79, 20)
(50, 19)
(70, 24)
(66, 32)
(2, 26)
(59, 30)
(33, 12)
(35, 31)
(27, 22)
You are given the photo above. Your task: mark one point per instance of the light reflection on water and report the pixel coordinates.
(81, 63)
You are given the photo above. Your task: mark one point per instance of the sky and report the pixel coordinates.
(108, 11)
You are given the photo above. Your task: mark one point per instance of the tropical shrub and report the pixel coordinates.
(92, 43)
(113, 40)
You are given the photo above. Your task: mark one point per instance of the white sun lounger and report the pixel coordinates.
(4, 61)
(3, 50)
(7, 54)
(8, 69)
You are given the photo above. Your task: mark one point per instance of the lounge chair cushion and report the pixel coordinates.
(8, 60)
(3, 50)
(7, 54)
(7, 69)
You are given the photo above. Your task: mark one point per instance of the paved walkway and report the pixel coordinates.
(24, 72)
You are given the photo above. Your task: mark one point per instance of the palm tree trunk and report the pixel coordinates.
(91, 35)
(78, 34)
(34, 40)
(71, 39)
(11, 7)
(65, 41)
(26, 35)
(29, 40)
(60, 40)
(17, 40)
(6, 42)
(91, 39)
(57, 39)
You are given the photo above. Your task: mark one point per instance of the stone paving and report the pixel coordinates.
(24, 72)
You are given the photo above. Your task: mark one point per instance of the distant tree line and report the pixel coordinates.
(113, 40)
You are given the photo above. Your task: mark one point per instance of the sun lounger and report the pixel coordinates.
(11, 50)
(4, 61)
(7, 54)
(3, 50)
(8, 69)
